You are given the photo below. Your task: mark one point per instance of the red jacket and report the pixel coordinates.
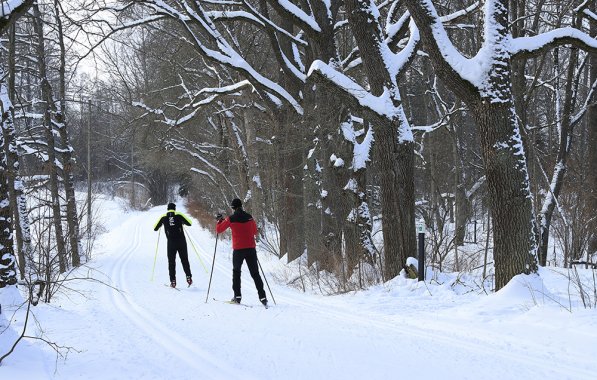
(243, 229)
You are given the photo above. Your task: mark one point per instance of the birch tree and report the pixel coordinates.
(8, 272)
(10, 12)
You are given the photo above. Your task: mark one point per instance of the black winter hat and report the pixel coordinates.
(171, 206)
(236, 203)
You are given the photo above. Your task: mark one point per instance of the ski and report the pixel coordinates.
(168, 286)
(234, 303)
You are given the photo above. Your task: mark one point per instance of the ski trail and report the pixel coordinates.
(458, 340)
(201, 362)
(499, 346)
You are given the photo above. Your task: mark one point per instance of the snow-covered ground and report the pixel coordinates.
(400, 330)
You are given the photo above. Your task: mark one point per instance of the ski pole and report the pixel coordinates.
(265, 278)
(212, 268)
(156, 254)
(195, 249)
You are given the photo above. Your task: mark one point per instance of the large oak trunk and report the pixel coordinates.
(509, 194)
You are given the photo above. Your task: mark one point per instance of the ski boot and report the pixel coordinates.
(189, 280)
(173, 284)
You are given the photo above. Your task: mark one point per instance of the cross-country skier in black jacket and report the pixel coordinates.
(172, 222)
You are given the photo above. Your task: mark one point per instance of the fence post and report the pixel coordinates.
(421, 259)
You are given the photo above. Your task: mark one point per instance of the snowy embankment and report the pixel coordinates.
(145, 330)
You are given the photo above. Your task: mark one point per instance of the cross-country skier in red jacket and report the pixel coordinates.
(244, 230)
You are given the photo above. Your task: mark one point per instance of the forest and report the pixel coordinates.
(341, 124)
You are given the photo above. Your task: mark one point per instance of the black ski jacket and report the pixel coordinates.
(173, 221)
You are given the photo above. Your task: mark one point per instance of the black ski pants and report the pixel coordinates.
(250, 256)
(179, 245)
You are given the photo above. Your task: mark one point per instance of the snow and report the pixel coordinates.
(218, 15)
(300, 14)
(361, 151)
(382, 104)
(533, 43)
(129, 327)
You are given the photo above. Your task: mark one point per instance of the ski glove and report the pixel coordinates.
(219, 217)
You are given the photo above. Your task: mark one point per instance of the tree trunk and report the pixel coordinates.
(405, 161)
(592, 151)
(67, 159)
(292, 223)
(395, 158)
(11, 153)
(396, 167)
(335, 158)
(312, 185)
(16, 194)
(72, 216)
(492, 106)
(509, 194)
(360, 218)
(358, 226)
(8, 272)
(49, 132)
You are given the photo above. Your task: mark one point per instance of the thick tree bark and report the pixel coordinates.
(492, 107)
(335, 159)
(312, 186)
(360, 217)
(396, 170)
(290, 169)
(395, 158)
(509, 194)
(289, 151)
(321, 118)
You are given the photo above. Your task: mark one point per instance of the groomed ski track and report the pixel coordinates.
(304, 336)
